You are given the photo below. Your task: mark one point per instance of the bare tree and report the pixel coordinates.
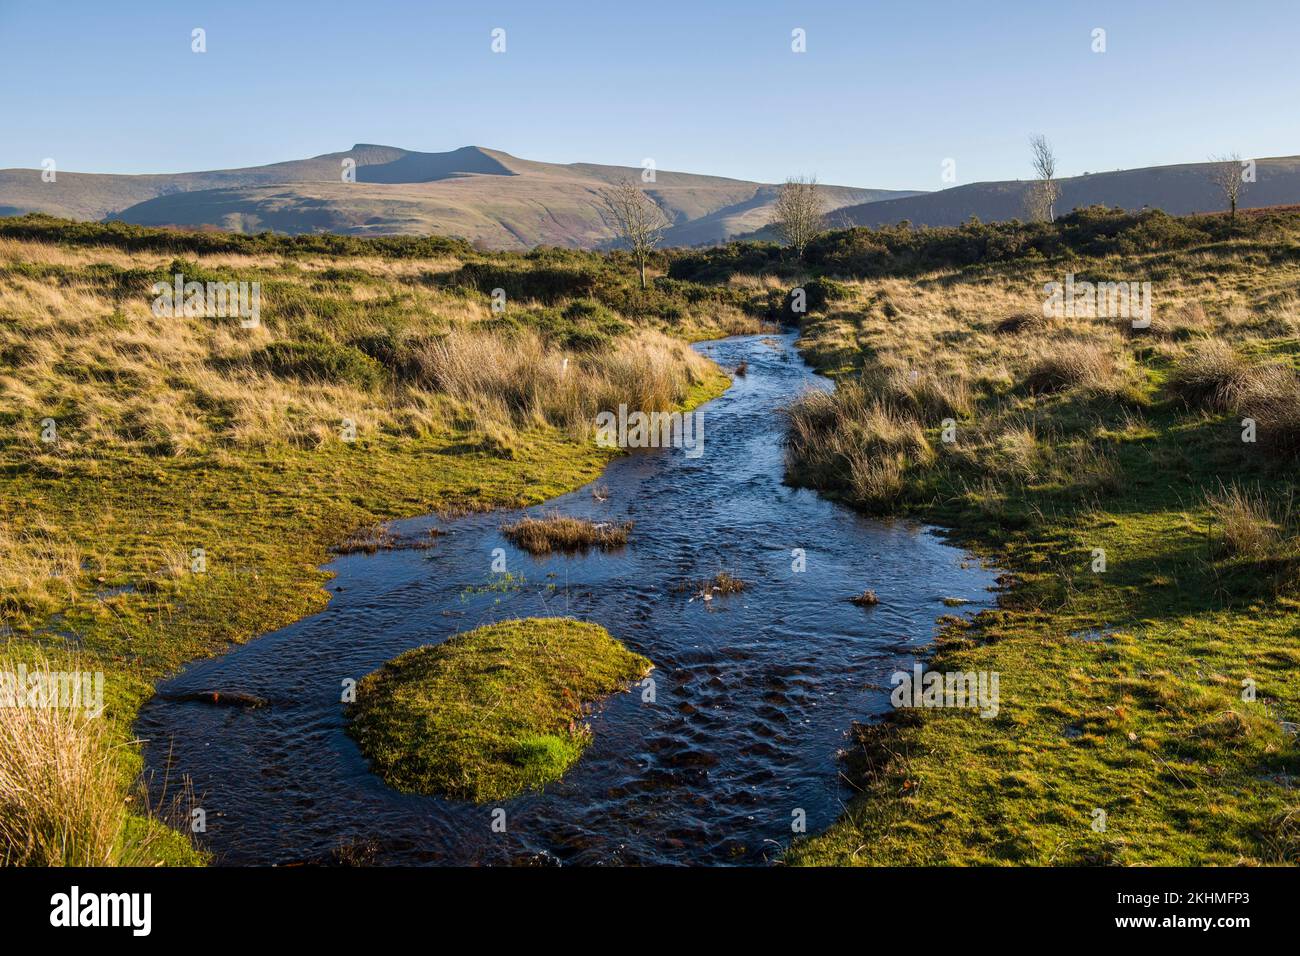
(798, 212)
(1045, 193)
(1037, 209)
(1228, 176)
(640, 221)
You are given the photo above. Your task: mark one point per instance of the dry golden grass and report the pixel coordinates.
(940, 345)
(39, 568)
(851, 440)
(1245, 521)
(1211, 374)
(75, 349)
(763, 283)
(1070, 363)
(519, 381)
(561, 533)
(1271, 398)
(1015, 452)
(60, 788)
(1215, 376)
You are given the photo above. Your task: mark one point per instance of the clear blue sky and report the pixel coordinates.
(884, 93)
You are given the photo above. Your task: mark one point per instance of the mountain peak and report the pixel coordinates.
(482, 194)
(459, 150)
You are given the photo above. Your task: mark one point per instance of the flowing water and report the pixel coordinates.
(753, 695)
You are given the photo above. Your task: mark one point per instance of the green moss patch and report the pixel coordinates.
(490, 713)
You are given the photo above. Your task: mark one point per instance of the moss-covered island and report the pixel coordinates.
(492, 712)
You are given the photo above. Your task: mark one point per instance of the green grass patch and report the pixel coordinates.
(490, 713)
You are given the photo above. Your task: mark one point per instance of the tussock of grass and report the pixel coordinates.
(1018, 322)
(1216, 377)
(724, 583)
(517, 380)
(1280, 835)
(561, 533)
(849, 441)
(926, 394)
(1273, 401)
(1210, 375)
(721, 584)
(1244, 520)
(372, 539)
(61, 788)
(492, 712)
(1072, 364)
(1016, 453)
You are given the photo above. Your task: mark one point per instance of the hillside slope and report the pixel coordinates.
(1178, 190)
(483, 195)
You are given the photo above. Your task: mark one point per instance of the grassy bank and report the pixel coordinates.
(1147, 640)
(198, 472)
(491, 712)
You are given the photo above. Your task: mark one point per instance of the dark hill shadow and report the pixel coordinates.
(431, 167)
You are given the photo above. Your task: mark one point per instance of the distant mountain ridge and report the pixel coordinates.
(503, 202)
(483, 195)
(1178, 190)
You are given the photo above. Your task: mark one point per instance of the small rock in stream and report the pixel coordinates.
(218, 698)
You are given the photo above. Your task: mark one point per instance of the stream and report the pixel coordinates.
(754, 692)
